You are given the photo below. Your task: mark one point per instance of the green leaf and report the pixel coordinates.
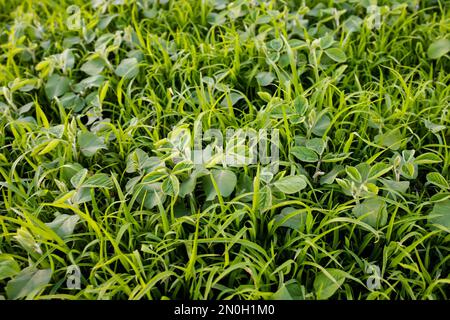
(26, 239)
(72, 101)
(353, 173)
(264, 198)
(216, 19)
(373, 212)
(321, 125)
(378, 170)
(69, 170)
(98, 180)
(391, 139)
(427, 158)
(275, 44)
(326, 41)
(8, 266)
(28, 283)
(139, 161)
(316, 144)
(440, 214)
(438, 48)
(409, 170)
(352, 24)
(434, 128)
(438, 180)
(188, 186)
(151, 195)
(265, 96)
(301, 105)
(90, 143)
(82, 195)
(304, 154)
(336, 54)
(64, 224)
(326, 284)
(78, 178)
(293, 218)
(397, 186)
(56, 86)
(128, 68)
(335, 157)
(264, 78)
(291, 184)
(171, 185)
(291, 290)
(93, 67)
(226, 181)
(331, 176)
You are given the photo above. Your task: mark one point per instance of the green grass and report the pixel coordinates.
(88, 114)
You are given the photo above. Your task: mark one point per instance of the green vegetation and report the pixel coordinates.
(96, 95)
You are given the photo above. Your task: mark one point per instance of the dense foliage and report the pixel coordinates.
(96, 95)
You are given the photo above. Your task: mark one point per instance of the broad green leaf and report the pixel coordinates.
(326, 284)
(226, 182)
(64, 224)
(26, 239)
(304, 154)
(373, 210)
(188, 186)
(215, 18)
(336, 54)
(90, 143)
(435, 128)
(291, 290)
(98, 180)
(128, 68)
(89, 83)
(82, 195)
(264, 198)
(353, 24)
(335, 157)
(8, 267)
(139, 161)
(427, 158)
(264, 96)
(354, 174)
(78, 178)
(264, 78)
(291, 184)
(72, 101)
(301, 105)
(326, 41)
(316, 144)
(275, 44)
(56, 86)
(438, 180)
(28, 283)
(378, 169)
(438, 48)
(69, 170)
(409, 170)
(391, 139)
(151, 195)
(321, 125)
(397, 186)
(171, 185)
(296, 220)
(331, 176)
(441, 214)
(345, 185)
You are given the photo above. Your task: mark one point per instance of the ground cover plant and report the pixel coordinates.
(100, 197)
